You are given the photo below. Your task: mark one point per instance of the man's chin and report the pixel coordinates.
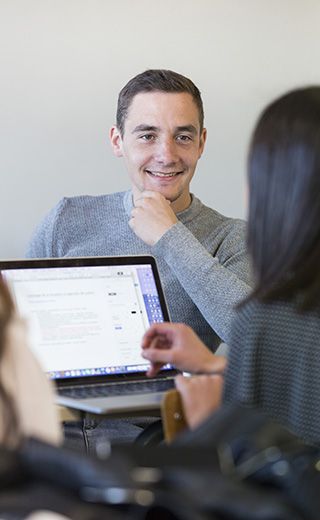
(171, 197)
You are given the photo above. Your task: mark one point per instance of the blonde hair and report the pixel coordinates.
(7, 407)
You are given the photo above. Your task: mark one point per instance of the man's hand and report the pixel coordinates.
(177, 344)
(201, 396)
(151, 217)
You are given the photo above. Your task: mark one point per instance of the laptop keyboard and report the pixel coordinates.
(114, 389)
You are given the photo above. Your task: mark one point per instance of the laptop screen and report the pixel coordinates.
(87, 320)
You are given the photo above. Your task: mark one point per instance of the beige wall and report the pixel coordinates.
(63, 62)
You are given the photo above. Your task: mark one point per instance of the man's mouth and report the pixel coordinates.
(162, 174)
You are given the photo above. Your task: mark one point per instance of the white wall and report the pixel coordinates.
(63, 62)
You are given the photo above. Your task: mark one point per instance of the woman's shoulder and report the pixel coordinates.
(256, 316)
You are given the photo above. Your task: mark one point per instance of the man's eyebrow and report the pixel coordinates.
(187, 128)
(149, 128)
(145, 128)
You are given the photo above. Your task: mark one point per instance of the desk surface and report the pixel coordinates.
(68, 414)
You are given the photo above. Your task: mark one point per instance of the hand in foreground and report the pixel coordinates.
(151, 217)
(201, 396)
(177, 344)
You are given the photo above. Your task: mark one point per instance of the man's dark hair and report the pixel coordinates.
(284, 208)
(154, 80)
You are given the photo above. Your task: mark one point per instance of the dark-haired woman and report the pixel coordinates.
(274, 360)
(26, 397)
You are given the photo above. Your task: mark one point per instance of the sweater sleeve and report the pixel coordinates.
(214, 283)
(42, 243)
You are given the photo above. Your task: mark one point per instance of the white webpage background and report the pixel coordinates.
(76, 322)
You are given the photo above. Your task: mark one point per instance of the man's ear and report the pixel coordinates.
(116, 141)
(203, 138)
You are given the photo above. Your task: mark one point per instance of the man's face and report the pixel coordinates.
(161, 145)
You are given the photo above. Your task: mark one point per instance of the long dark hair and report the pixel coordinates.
(284, 207)
(9, 416)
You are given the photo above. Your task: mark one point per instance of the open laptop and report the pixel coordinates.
(86, 317)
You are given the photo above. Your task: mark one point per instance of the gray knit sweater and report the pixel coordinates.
(274, 364)
(202, 261)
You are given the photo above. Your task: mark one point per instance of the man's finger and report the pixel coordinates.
(154, 369)
(154, 355)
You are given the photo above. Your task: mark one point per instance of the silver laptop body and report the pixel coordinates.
(86, 317)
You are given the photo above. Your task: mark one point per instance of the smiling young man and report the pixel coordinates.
(161, 142)
(200, 253)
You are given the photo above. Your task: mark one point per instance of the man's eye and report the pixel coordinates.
(184, 138)
(147, 137)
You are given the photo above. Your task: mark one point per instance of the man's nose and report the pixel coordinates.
(166, 152)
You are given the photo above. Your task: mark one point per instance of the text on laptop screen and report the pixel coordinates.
(89, 320)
